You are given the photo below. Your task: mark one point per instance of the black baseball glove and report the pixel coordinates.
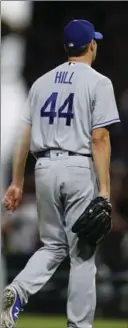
(95, 222)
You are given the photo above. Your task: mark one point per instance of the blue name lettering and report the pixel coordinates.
(58, 77)
(64, 77)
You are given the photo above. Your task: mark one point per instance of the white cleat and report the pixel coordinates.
(11, 307)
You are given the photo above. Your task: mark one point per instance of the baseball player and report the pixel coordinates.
(66, 125)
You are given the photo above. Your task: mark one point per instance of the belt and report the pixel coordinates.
(46, 153)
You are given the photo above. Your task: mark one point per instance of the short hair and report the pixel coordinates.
(76, 52)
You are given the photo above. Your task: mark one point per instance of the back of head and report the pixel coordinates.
(78, 34)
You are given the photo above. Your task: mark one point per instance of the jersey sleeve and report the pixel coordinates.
(105, 111)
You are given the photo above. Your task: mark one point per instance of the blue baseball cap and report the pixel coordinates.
(79, 32)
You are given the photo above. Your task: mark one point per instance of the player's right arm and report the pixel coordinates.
(104, 114)
(101, 151)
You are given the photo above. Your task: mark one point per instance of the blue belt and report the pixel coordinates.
(46, 153)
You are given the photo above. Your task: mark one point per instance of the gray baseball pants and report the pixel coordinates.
(64, 187)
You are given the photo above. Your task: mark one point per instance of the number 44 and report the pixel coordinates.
(68, 115)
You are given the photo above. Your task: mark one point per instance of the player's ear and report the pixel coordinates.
(92, 45)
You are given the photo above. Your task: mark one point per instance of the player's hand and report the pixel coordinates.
(13, 197)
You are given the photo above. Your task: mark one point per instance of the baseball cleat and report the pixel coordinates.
(11, 307)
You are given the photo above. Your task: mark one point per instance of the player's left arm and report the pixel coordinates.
(20, 154)
(13, 195)
(23, 141)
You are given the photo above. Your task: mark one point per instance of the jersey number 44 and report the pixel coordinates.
(61, 113)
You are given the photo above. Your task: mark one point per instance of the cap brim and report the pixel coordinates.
(98, 36)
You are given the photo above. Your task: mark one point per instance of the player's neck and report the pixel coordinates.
(81, 59)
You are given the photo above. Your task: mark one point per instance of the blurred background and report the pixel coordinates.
(32, 45)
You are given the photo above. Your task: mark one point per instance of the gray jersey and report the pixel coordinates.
(65, 105)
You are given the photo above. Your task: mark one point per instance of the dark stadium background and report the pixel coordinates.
(44, 51)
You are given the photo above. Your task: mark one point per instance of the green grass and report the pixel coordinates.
(60, 322)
